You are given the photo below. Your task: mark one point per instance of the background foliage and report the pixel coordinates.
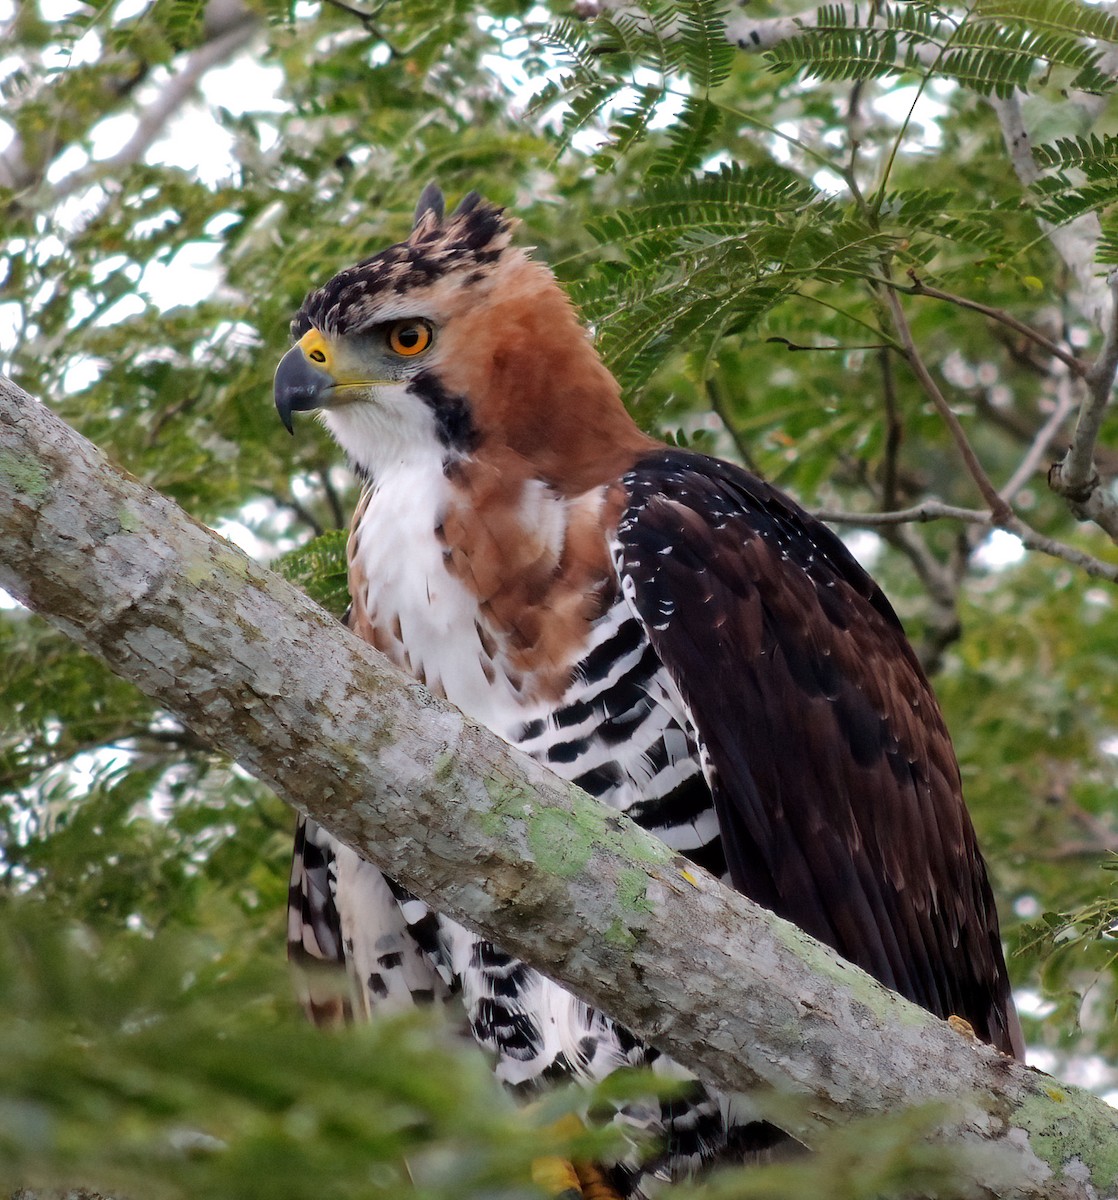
(732, 214)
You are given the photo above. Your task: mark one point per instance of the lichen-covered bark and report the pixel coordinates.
(491, 837)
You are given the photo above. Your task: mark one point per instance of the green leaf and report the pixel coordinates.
(320, 568)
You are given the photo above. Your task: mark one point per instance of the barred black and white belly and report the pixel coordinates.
(621, 733)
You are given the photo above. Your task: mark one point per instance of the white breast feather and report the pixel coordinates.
(402, 559)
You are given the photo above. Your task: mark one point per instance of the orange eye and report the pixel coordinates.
(409, 338)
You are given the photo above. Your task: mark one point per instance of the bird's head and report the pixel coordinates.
(453, 343)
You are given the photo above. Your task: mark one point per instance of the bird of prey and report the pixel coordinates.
(662, 628)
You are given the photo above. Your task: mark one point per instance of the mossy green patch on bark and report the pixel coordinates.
(614, 834)
(620, 935)
(560, 843)
(563, 840)
(128, 521)
(507, 803)
(1065, 1126)
(862, 987)
(632, 891)
(221, 567)
(25, 474)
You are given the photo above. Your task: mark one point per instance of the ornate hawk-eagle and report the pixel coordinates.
(666, 630)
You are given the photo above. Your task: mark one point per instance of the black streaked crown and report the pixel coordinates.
(469, 241)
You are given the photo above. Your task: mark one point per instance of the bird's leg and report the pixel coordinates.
(594, 1184)
(566, 1180)
(963, 1026)
(558, 1177)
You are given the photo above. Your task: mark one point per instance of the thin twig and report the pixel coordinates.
(894, 431)
(926, 510)
(799, 347)
(936, 510)
(1076, 477)
(301, 511)
(333, 499)
(999, 510)
(1039, 448)
(942, 626)
(718, 407)
(920, 288)
(368, 20)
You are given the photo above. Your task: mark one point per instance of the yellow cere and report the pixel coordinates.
(314, 346)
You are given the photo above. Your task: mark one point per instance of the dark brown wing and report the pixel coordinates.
(837, 790)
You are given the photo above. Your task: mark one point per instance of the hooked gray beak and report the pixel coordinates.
(299, 385)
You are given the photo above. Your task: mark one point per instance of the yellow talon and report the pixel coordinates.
(963, 1026)
(565, 1180)
(595, 1186)
(556, 1176)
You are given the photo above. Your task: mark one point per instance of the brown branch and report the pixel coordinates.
(333, 499)
(920, 288)
(301, 511)
(999, 510)
(936, 510)
(1076, 477)
(718, 407)
(941, 581)
(894, 430)
(368, 20)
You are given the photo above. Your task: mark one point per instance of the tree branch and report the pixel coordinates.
(936, 510)
(494, 838)
(1074, 242)
(1040, 447)
(1076, 477)
(153, 119)
(920, 288)
(998, 507)
(227, 26)
(720, 409)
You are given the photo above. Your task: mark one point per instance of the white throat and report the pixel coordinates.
(429, 619)
(389, 429)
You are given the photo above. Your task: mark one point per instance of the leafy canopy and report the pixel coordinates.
(731, 213)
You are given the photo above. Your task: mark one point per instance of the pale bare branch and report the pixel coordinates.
(1074, 242)
(154, 118)
(1040, 447)
(1076, 477)
(227, 27)
(459, 818)
(936, 510)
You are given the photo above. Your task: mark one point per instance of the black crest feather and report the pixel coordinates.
(469, 243)
(430, 201)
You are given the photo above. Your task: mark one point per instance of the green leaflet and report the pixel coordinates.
(997, 48)
(319, 568)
